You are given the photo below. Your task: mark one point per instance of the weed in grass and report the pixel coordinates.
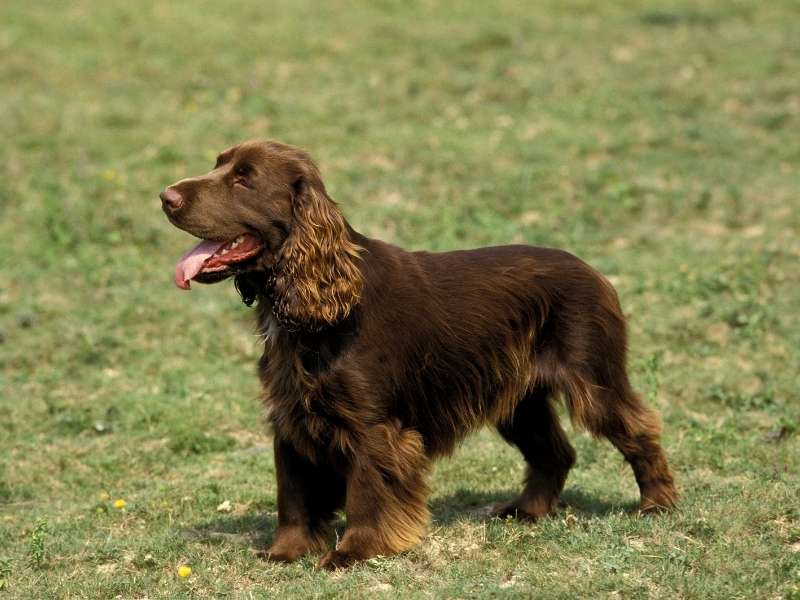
(188, 441)
(740, 400)
(652, 366)
(37, 545)
(5, 572)
(5, 488)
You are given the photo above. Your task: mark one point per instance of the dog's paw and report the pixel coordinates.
(658, 497)
(281, 557)
(281, 554)
(336, 559)
(506, 510)
(531, 511)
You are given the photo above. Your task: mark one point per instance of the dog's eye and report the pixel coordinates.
(241, 170)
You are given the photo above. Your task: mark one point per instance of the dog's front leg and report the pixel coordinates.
(308, 496)
(386, 505)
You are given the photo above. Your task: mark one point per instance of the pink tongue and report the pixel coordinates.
(191, 263)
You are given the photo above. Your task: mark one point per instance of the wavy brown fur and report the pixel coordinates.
(378, 360)
(318, 281)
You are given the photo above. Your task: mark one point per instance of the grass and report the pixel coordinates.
(658, 142)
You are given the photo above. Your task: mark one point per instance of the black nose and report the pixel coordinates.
(171, 200)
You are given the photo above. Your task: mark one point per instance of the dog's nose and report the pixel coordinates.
(171, 200)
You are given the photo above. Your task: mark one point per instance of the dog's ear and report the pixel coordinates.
(319, 278)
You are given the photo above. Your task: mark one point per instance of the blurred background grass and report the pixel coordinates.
(658, 142)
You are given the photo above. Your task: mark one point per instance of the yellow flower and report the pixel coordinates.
(119, 503)
(184, 571)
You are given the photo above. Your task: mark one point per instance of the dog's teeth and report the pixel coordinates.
(224, 252)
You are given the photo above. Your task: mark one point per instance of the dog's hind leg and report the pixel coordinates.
(610, 408)
(534, 429)
(635, 431)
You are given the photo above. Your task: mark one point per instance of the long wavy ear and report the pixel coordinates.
(319, 279)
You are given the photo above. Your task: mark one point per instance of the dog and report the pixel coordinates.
(378, 360)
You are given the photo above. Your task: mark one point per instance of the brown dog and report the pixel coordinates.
(379, 360)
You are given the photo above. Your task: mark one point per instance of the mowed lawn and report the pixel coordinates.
(658, 142)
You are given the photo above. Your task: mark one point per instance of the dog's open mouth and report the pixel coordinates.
(213, 261)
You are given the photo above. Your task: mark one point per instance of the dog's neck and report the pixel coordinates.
(255, 286)
(259, 287)
(262, 287)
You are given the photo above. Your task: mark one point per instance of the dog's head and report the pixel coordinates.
(264, 217)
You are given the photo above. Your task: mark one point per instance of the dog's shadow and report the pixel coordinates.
(250, 531)
(256, 531)
(469, 504)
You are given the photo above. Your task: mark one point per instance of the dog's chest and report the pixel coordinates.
(300, 410)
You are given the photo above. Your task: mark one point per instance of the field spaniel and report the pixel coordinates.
(377, 360)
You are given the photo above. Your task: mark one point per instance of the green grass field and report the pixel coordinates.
(659, 144)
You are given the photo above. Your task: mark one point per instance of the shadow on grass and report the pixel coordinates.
(251, 531)
(477, 505)
(581, 502)
(254, 531)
